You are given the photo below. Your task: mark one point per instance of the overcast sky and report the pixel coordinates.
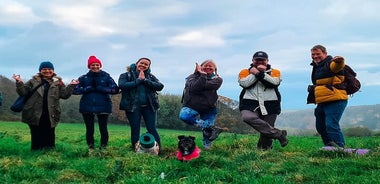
(176, 34)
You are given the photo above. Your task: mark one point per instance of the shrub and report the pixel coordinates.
(360, 131)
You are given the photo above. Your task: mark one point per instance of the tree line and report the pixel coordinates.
(170, 106)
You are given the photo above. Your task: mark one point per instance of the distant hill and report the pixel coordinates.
(354, 116)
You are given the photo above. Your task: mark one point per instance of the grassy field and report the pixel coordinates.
(232, 159)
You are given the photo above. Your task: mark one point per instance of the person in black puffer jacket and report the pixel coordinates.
(139, 98)
(95, 88)
(199, 101)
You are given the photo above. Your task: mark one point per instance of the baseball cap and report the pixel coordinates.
(260, 55)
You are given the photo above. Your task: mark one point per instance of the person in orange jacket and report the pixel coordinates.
(260, 100)
(331, 101)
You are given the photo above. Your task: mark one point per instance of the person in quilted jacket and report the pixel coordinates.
(331, 101)
(96, 86)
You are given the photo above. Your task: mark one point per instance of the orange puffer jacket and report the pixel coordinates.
(325, 75)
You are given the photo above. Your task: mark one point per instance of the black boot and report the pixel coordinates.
(215, 131)
(283, 140)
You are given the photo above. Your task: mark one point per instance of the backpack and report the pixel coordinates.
(351, 84)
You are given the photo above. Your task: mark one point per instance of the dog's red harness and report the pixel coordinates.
(193, 155)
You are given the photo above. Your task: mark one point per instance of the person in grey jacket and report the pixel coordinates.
(139, 98)
(42, 110)
(199, 100)
(260, 100)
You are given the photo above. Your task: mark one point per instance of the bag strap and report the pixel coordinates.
(33, 90)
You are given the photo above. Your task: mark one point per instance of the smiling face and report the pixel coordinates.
(47, 73)
(95, 67)
(142, 64)
(208, 67)
(318, 55)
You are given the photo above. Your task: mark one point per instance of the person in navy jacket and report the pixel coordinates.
(139, 98)
(95, 87)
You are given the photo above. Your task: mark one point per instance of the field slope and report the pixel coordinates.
(232, 159)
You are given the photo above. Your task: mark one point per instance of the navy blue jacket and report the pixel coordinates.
(95, 88)
(129, 84)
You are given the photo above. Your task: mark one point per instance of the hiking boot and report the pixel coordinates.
(215, 131)
(283, 140)
(207, 144)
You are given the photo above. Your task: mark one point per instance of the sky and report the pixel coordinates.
(176, 34)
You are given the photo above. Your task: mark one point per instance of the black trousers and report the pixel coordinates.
(42, 135)
(89, 120)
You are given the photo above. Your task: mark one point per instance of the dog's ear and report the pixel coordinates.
(192, 137)
(181, 137)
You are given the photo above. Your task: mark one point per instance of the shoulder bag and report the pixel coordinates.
(18, 105)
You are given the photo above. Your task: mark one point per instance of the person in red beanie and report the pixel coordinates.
(96, 86)
(93, 59)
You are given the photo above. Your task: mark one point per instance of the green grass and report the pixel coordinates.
(232, 159)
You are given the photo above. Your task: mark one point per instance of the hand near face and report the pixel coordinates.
(74, 82)
(254, 70)
(17, 77)
(199, 68)
(262, 68)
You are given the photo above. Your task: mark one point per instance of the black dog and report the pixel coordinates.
(186, 144)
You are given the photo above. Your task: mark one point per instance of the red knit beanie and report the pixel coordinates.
(93, 59)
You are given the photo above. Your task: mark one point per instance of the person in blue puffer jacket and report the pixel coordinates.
(95, 88)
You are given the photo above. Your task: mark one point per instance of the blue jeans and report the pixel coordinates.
(150, 119)
(327, 117)
(202, 120)
(193, 117)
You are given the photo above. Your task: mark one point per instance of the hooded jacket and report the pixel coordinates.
(33, 108)
(129, 83)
